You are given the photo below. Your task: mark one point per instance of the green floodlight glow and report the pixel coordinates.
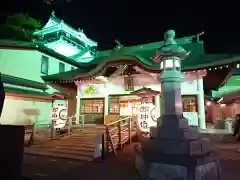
(63, 48)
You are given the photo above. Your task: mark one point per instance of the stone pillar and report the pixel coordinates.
(78, 101)
(201, 105)
(171, 98)
(178, 151)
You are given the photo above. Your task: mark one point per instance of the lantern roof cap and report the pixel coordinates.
(170, 47)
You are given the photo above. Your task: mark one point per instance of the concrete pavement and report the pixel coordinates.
(120, 168)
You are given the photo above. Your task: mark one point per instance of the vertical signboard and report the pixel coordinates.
(59, 116)
(146, 117)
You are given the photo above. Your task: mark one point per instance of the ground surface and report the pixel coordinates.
(46, 168)
(120, 168)
(230, 161)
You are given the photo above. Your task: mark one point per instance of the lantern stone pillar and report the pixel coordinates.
(178, 151)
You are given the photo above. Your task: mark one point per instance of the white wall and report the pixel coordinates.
(27, 64)
(13, 111)
(116, 86)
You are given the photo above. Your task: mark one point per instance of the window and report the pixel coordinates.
(44, 64)
(189, 103)
(61, 67)
(114, 105)
(94, 106)
(128, 83)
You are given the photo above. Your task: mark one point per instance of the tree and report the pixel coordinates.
(19, 27)
(50, 2)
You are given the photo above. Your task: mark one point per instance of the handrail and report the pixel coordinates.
(109, 124)
(118, 133)
(68, 124)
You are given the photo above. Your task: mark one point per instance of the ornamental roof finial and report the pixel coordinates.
(53, 13)
(119, 45)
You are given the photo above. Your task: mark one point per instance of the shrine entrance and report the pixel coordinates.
(124, 104)
(93, 110)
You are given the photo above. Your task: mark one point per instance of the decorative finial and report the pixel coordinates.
(53, 13)
(119, 45)
(80, 30)
(170, 48)
(117, 42)
(169, 34)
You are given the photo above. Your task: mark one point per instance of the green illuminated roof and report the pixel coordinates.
(54, 24)
(64, 39)
(230, 85)
(39, 47)
(22, 84)
(142, 55)
(233, 81)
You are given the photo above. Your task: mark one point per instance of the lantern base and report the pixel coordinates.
(178, 152)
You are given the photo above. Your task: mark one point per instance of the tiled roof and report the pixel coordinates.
(196, 60)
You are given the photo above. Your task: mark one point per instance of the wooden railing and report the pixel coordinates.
(31, 130)
(119, 133)
(70, 123)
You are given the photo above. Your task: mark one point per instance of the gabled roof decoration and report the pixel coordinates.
(143, 92)
(197, 60)
(54, 24)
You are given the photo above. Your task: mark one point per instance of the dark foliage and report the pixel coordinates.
(19, 27)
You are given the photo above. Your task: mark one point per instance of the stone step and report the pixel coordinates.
(66, 146)
(84, 149)
(87, 145)
(90, 132)
(80, 144)
(83, 137)
(67, 151)
(78, 140)
(75, 143)
(59, 155)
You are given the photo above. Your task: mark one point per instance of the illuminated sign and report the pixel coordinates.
(59, 116)
(146, 117)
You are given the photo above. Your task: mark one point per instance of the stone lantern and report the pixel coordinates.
(177, 151)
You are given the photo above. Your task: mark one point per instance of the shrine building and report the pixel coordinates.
(94, 83)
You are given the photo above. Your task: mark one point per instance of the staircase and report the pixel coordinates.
(79, 145)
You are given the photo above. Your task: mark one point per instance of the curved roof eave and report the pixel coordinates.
(220, 62)
(91, 70)
(78, 73)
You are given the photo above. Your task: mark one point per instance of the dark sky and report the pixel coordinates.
(137, 22)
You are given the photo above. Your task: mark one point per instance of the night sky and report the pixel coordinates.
(138, 22)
